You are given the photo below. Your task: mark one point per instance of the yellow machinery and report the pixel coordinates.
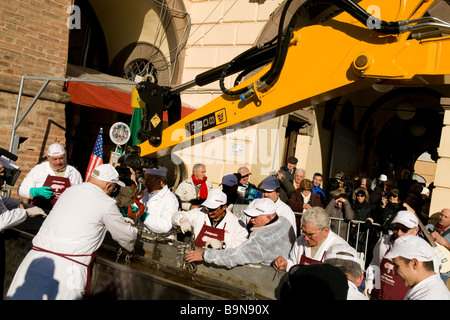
(328, 48)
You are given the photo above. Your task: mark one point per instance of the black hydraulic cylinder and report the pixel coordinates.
(260, 58)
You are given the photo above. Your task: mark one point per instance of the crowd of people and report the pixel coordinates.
(286, 221)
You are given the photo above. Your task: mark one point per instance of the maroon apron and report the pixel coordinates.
(207, 233)
(304, 260)
(68, 257)
(391, 285)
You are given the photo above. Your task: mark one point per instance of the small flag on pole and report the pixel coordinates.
(138, 105)
(135, 126)
(96, 156)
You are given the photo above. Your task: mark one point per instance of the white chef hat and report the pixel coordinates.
(410, 247)
(344, 252)
(55, 150)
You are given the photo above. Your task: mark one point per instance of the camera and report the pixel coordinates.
(133, 160)
(10, 174)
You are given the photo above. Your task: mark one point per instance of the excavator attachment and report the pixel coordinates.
(328, 48)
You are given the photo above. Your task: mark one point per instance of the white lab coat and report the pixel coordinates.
(301, 247)
(76, 225)
(186, 192)
(431, 288)
(263, 246)
(283, 210)
(37, 176)
(381, 247)
(10, 213)
(161, 206)
(235, 231)
(353, 292)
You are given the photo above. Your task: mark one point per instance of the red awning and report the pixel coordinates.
(96, 96)
(111, 96)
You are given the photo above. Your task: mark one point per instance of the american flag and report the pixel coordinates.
(96, 156)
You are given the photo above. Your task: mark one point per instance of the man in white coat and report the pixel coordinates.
(381, 282)
(214, 227)
(347, 260)
(160, 203)
(32, 186)
(57, 266)
(270, 235)
(316, 239)
(414, 260)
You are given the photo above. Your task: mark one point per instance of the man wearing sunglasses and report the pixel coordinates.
(381, 282)
(214, 227)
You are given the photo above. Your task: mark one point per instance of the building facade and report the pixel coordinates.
(379, 130)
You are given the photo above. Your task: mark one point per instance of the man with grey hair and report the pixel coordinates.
(194, 190)
(246, 192)
(315, 239)
(347, 260)
(288, 186)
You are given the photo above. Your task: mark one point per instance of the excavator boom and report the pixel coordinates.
(341, 50)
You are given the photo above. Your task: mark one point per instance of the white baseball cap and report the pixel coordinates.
(107, 173)
(55, 150)
(383, 177)
(260, 207)
(409, 247)
(342, 251)
(215, 198)
(406, 218)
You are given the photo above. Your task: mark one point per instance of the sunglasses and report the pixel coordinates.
(401, 228)
(361, 195)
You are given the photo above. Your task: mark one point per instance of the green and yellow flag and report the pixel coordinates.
(136, 117)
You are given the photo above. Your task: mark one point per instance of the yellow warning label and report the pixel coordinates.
(155, 120)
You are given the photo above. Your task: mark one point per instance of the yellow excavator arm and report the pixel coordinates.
(315, 57)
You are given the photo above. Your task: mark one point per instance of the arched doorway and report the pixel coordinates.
(408, 123)
(121, 39)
